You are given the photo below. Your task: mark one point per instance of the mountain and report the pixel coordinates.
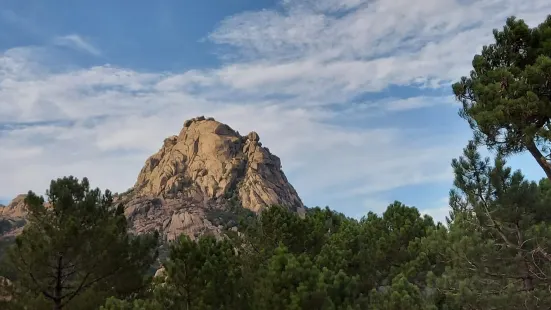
(198, 178)
(200, 181)
(12, 217)
(15, 209)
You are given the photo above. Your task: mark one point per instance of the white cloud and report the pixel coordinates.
(372, 45)
(290, 77)
(77, 42)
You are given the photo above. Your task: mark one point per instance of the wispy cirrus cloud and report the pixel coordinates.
(75, 41)
(351, 47)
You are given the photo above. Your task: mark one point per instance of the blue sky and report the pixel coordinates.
(353, 95)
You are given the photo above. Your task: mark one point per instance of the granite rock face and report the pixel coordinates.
(208, 160)
(170, 217)
(190, 183)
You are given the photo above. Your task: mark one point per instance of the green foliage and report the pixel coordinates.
(401, 295)
(507, 97)
(364, 247)
(76, 251)
(232, 215)
(498, 241)
(136, 304)
(201, 275)
(7, 225)
(293, 282)
(277, 226)
(283, 261)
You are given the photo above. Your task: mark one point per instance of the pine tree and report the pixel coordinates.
(380, 247)
(202, 275)
(507, 97)
(499, 238)
(75, 249)
(294, 282)
(401, 295)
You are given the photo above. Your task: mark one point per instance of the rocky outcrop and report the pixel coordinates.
(196, 174)
(209, 160)
(170, 217)
(12, 217)
(15, 209)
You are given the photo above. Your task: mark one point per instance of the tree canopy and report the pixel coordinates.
(507, 97)
(76, 242)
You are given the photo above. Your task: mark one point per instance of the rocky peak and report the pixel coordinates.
(191, 185)
(15, 209)
(208, 161)
(12, 217)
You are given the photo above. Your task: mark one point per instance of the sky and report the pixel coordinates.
(354, 96)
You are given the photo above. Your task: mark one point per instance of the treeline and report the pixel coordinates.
(494, 251)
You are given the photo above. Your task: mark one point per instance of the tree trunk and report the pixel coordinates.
(538, 156)
(58, 285)
(525, 272)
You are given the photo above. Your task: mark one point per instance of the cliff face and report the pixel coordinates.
(198, 179)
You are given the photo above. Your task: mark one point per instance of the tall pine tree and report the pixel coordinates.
(75, 250)
(507, 97)
(498, 239)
